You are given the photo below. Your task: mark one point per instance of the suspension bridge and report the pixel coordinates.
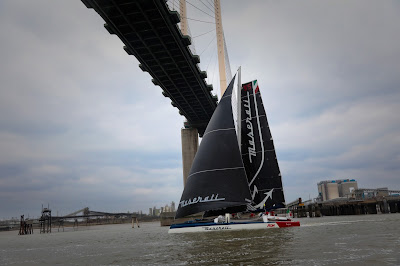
(149, 30)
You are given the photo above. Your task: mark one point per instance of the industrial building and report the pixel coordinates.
(332, 189)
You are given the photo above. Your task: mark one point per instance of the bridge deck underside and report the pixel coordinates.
(149, 31)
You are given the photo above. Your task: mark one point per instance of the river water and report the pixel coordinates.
(338, 240)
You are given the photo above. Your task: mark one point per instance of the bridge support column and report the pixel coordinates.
(182, 12)
(190, 143)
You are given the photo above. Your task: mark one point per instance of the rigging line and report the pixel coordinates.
(199, 9)
(203, 33)
(207, 6)
(199, 20)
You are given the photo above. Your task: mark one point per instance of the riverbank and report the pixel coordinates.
(81, 224)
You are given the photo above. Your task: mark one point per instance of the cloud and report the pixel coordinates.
(328, 76)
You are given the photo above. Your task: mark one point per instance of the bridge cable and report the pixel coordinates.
(199, 9)
(192, 46)
(207, 6)
(211, 4)
(199, 20)
(203, 33)
(215, 62)
(173, 5)
(212, 55)
(208, 45)
(228, 71)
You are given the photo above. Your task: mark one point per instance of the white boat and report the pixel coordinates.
(265, 222)
(235, 169)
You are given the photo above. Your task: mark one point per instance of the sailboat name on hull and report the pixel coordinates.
(213, 228)
(200, 199)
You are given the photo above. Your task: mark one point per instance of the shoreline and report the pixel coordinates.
(55, 226)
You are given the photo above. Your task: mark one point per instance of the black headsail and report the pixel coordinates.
(217, 179)
(258, 152)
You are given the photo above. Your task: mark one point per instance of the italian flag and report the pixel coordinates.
(255, 85)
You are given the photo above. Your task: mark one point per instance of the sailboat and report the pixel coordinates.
(235, 172)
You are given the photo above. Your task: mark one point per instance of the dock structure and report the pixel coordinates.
(167, 218)
(135, 219)
(88, 217)
(84, 217)
(45, 221)
(25, 227)
(61, 224)
(384, 204)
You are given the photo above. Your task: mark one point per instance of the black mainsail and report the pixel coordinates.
(217, 179)
(258, 152)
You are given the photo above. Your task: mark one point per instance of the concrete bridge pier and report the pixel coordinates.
(190, 144)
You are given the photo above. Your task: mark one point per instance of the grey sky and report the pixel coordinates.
(82, 125)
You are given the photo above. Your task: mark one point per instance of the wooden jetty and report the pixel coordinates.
(340, 206)
(25, 226)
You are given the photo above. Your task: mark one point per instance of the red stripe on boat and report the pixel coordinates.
(287, 224)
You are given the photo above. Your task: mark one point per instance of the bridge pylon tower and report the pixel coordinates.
(220, 46)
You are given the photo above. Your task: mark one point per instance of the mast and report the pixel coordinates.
(239, 108)
(220, 44)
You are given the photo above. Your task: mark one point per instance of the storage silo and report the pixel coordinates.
(333, 190)
(347, 187)
(323, 191)
(319, 191)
